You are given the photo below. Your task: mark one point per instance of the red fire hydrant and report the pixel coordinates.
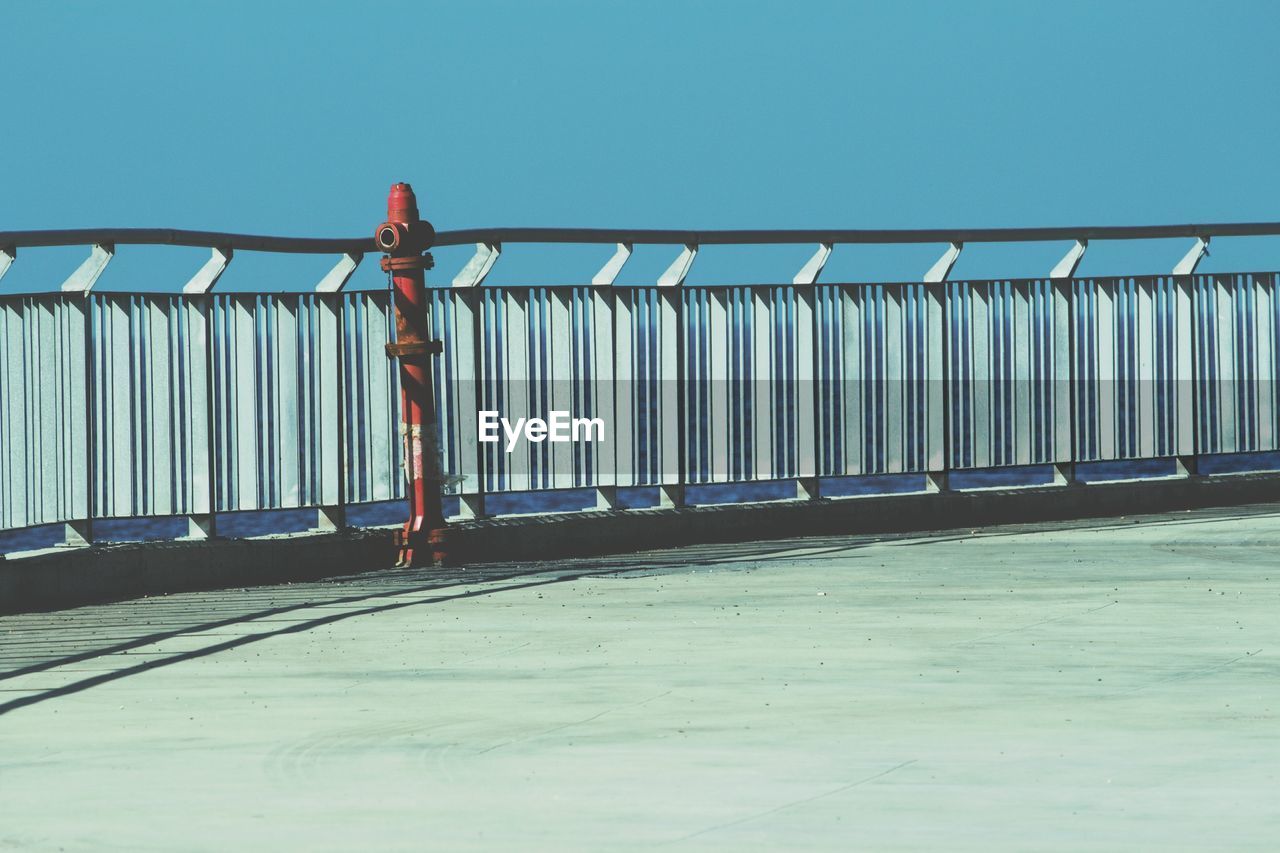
(405, 238)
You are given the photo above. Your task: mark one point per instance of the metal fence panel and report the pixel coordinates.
(875, 407)
(374, 453)
(117, 405)
(1001, 373)
(43, 406)
(1237, 322)
(276, 370)
(1135, 344)
(151, 405)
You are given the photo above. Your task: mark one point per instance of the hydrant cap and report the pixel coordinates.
(402, 204)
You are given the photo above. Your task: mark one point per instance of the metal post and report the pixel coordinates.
(672, 386)
(204, 525)
(78, 532)
(1189, 438)
(333, 517)
(938, 367)
(1065, 444)
(404, 237)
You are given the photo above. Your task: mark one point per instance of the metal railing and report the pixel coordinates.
(765, 383)
(126, 405)
(131, 405)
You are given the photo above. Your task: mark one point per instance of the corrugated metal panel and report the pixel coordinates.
(275, 399)
(874, 408)
(151, 405)
(1001, 373)
(1131, 372)
(300, 394)
(1236, 357)
(371, 405)
(43, 405)
(522, 353)
(114, 405)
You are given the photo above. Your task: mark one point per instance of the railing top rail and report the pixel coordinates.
(361, 245)
(848, 235)
(179, 237)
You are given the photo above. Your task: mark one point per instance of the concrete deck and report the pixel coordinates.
(1090, 685)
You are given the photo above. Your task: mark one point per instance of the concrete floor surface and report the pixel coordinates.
(1105, 686)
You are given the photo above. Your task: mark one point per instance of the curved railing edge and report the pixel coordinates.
(849, 236)
(179, 237)
(458, 237)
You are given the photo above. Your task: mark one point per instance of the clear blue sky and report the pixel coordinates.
(293, 118)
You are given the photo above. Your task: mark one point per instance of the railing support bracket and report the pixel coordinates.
(1191, 260)
(813, 267)
(78, 534)
(679, 269)
(1186, 466)
(82, 280)
(1066, 268)
(331, 519)
(201, 526)
(942, 267)
(336, 278)
(606, 498)
(7, 256)
(609, 272)
(471, 507)
(473, 274)
(207, 276)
